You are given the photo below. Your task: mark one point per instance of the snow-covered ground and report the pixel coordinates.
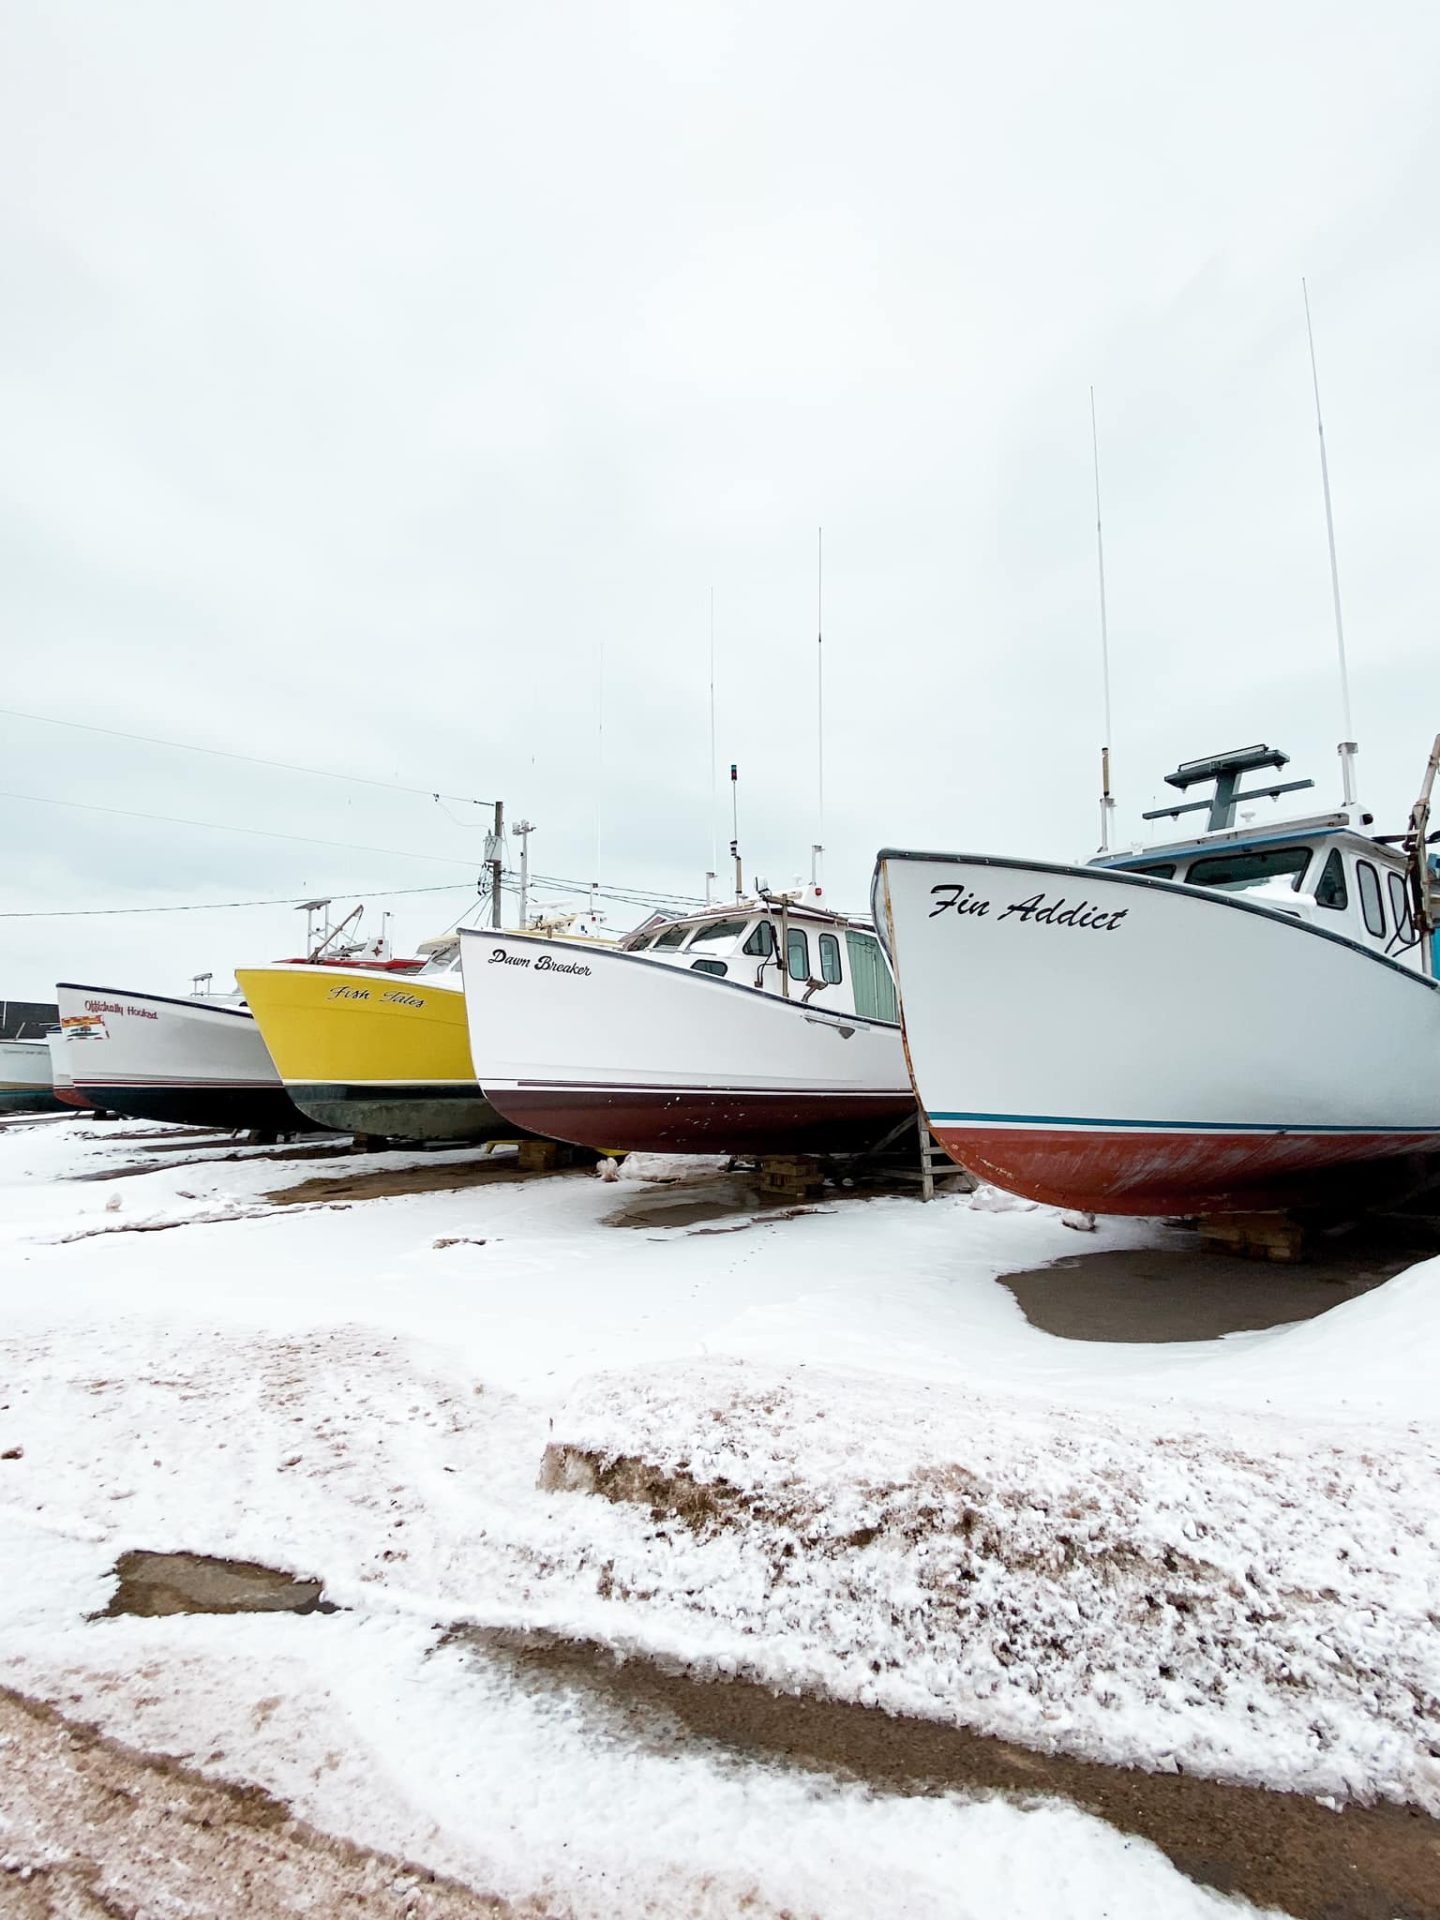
(826, 1451)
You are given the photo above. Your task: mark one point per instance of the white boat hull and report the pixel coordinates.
(26, 1085)
(612, 1050)
(1104, 1041)
(154, 1057)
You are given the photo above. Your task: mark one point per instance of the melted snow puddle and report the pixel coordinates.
(1305, 1857)
(1171, 1293)
(152, 1584)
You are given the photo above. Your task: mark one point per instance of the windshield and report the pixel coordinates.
(1240, 872)
(715, 932)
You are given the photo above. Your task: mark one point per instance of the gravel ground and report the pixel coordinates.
(89, 1828)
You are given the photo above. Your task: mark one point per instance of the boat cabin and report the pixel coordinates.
(781, 944)
(1324, 870)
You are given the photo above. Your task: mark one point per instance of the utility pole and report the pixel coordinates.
(525, 829)
(496, 863)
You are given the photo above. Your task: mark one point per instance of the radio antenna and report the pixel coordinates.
(1107, 800)
(1348, 748)
(818, 849)
(714, 797)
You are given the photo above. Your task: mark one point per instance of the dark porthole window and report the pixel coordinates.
(709, 966)
(1372, 903)
(1330, 889)
(797, 953)
(829, 959)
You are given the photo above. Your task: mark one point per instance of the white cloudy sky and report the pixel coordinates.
(369, 375)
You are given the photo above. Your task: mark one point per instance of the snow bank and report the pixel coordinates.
(1249, 1599)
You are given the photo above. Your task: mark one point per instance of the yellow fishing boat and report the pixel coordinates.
(371, 1051)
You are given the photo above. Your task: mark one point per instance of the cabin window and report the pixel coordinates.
(762, 939)
(715, 932)
(797, 953)
(829, 959)
(1330, 888)
(709, 966)
(1165, 871)
(1372, 903)
(1239, 872)
(1400, 908)
(870, 979)
(671, 937)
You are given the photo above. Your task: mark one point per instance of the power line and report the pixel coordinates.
(213, 906)
(254, 760)
(220, 826)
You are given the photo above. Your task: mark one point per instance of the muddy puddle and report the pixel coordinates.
(1186, 1291)
(690, 1204)
(151, 1584)
(1277, 1849)
(381, 1183)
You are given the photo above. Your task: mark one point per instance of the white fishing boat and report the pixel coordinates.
(769, 1026)
(60, 1073)
(1241, 1020)
(26, 1085)
(195, 1059)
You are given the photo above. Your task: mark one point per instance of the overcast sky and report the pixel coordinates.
(385, 389)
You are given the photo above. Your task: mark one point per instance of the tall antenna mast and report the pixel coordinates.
(735, 830)
(714, 796)
(1348, 748)
(1107, 800)
(819, 846)
(599, 777)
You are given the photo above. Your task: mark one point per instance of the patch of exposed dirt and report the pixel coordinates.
(336, 1151)
(97, 1831)
(383, 1183)
(1189, 1292)
(1276, 1849)
(151, 1584)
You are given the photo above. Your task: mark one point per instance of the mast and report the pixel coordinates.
(714, 796)
(735, 830)
(1348, 748)
(1107, 802)
(819, 847)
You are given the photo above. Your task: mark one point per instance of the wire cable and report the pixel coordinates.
(220, 826)
(213, 906)
(254, 760)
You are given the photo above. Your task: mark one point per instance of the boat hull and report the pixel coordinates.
(617, 1052)
(1120, 1044)
(26, 1082)
(186, 1062)
(373, 1054)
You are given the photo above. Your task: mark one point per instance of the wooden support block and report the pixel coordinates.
(1256, 1236)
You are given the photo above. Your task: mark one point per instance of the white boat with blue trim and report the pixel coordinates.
(1238, 1021)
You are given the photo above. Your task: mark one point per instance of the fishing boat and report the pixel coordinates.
(60, 1072)
(26, 1085)
(375, 1052)
(197, 1060)
(768, 1026)
(1241, 1020)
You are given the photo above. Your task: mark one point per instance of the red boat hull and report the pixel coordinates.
(1126, 1171)
(688, 1120)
